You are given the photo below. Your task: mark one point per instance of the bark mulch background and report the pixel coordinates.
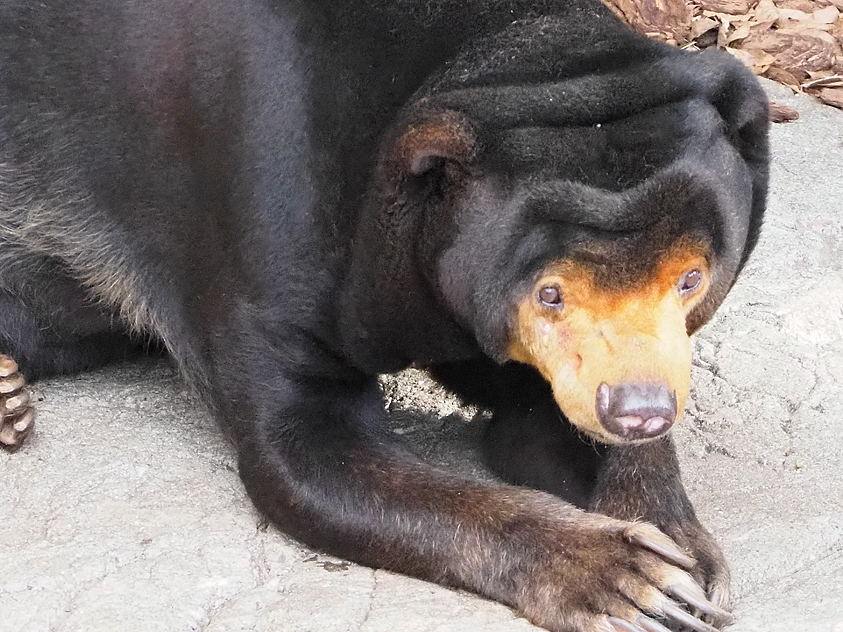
(798, 43)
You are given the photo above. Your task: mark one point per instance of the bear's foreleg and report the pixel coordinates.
(317, 461)
(529, 442)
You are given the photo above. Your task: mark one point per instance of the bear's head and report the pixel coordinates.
(588, 225)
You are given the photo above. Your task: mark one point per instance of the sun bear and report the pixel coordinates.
(525, 198)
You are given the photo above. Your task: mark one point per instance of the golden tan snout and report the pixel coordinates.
(619, 362)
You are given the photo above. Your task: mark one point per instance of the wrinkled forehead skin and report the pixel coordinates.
(585, 135)
(622, 175)
(509, 232)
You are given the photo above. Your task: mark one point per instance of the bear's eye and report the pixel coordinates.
(690, 282)
(551, 296)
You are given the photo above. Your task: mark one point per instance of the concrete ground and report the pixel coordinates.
(125, 513)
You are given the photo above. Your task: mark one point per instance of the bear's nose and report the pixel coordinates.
(636, 410)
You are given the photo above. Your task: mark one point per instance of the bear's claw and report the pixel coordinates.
(17, 416)
(642, 624)
(663, 546)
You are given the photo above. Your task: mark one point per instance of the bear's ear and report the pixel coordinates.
(429, 141)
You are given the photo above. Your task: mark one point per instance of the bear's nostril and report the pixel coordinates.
(636, 410)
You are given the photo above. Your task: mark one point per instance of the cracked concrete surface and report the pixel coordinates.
(125, 512)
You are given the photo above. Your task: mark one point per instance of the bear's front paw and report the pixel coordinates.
(683, 527)
(616, 577)
(17, 416)
(711, 570)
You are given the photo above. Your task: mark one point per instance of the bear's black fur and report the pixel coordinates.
(293, 196)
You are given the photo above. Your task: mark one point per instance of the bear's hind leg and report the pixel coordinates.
(51, 335)
(59, 332)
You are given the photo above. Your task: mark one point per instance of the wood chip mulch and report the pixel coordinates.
(798, 43)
